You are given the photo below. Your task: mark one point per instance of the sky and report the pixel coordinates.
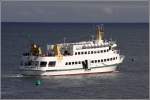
(74, 11)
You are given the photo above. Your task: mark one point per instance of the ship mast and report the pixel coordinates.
(100, 33)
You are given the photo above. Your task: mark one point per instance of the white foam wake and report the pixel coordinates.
(11, 75)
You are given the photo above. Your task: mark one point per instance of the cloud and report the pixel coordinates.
(75, 11)
(108, 10)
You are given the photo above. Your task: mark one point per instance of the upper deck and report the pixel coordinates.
(86, 45)
(64, 49)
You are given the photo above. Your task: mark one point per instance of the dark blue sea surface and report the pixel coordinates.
(131, 82)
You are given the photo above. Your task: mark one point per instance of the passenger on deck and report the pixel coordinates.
(50, 53)
(39, 50)
(34, 50)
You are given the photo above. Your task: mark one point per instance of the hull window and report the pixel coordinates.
(114, 58)
(51, 63)
(79, 62)
(28, 63)
(43, 64)
(36, 63)
(107, 59)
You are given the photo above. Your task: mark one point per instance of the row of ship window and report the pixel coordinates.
(91, 52)
(92, 61)
(37, 63)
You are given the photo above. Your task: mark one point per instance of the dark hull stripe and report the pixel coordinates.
(81, 68)
(82, 73)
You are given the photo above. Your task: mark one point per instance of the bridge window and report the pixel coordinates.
(72, 63)
(88, 52)
(104, 60)
(52, 63)
(101, 51)
(94, 51)
(75, 53)
(98, 60)
(85, 52)
(43, 64)
(104, 50)
(34, 63)
(114, 58)
(28, 63)
(101, 60)
(81, 52)
(91, 52)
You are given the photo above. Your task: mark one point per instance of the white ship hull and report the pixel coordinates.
(109, 66)
(70, 72)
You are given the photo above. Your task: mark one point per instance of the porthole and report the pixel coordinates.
(78, 53)
(66, 63)
(110, 59)
(69, 63)
(95, 61)
(79, 62)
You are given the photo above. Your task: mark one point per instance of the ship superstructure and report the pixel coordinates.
(93, 56)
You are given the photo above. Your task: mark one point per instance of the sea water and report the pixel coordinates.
(130, 82)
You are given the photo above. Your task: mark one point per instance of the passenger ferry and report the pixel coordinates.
(95, 56)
